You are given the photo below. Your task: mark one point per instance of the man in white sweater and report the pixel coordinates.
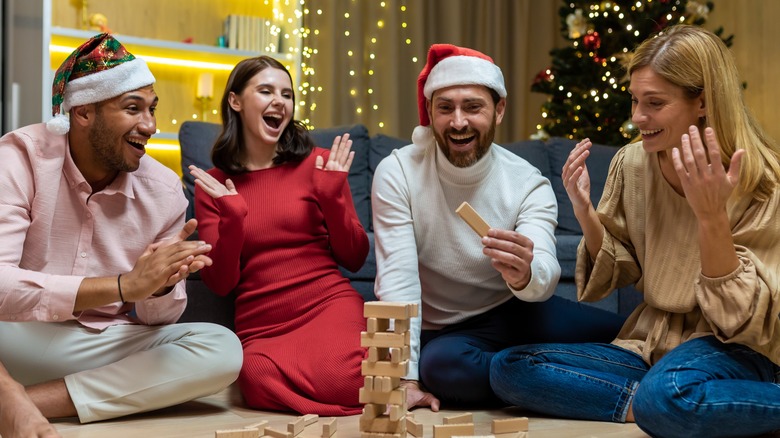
(477, 295)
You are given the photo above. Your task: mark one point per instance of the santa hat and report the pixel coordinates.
(98, 70)
(450, 65)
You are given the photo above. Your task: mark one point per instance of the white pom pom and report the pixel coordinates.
(59, 124)
(422, 136)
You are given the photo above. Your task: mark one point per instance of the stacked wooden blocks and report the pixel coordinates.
(384, 414)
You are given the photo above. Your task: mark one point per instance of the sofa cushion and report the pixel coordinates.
(381, 147)
(196, 140)
(533, 151)
(598, 168)
(358, 178)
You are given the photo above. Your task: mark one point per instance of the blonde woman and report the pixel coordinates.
(688, 214)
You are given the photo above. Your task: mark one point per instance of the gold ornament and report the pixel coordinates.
(577, 24)
(628, 129)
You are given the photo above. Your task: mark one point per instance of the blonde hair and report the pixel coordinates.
(698, 61)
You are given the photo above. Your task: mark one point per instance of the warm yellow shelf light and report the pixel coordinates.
(159, 59)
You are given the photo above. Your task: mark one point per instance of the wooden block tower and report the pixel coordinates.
(384, 414)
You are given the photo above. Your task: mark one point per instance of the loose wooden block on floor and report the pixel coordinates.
(413, 427)
(505, 425)
(450, 430)
(329, 428)
(466, 417)
(237, 433)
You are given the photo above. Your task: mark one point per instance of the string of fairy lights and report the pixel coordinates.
(361, 42)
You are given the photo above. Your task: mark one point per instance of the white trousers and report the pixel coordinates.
(124, 369)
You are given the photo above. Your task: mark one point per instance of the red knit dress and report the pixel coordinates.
(278, 245)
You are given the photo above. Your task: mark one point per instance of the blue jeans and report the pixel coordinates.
(702, 388)
(455, 361)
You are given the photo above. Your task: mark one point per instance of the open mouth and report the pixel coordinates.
(649, 133)
(274, 120)
(137, 144)
(462, 139)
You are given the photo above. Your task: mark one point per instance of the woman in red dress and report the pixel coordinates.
(279, 215)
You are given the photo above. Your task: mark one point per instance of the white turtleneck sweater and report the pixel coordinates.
(427, 254)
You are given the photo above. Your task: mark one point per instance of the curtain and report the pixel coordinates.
(365, 56)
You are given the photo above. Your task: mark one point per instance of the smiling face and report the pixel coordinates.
(464, 120)
(265, 106)
(120, 130)
(661, 110)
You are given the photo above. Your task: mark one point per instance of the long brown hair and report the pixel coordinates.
(294, 145)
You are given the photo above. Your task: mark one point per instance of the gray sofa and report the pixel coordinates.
(196, 139)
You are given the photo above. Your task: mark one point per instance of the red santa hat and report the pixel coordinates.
(98, 70)
(450, 65)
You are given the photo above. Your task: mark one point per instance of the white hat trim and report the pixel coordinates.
(106, 84)
(464, 70)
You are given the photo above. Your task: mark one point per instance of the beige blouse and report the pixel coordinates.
(651, 240)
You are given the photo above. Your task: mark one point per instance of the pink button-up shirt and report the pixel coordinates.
(54, 231)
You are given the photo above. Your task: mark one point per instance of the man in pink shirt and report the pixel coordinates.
(95, 253)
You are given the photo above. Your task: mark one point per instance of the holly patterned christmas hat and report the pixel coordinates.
(98, 70)
(450, 65)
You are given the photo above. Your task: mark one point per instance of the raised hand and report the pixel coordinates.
(706, 183)
(210, 185)
(575, 176)
(415, 396)
(511, 254)
(340, 158)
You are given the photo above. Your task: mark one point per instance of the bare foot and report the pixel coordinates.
(19, 418)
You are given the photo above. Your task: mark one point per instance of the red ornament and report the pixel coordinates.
(592, 41)
(543, 76)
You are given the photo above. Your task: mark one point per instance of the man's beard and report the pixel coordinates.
(103, 142)
(470, 157)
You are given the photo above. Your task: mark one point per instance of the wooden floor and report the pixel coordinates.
(225, 410)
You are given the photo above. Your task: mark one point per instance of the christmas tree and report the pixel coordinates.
(587, 81)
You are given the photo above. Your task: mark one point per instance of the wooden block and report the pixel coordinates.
(384, 340)
(394, 397)
(237, 433)
(466, 417)
(259, 426)
(381, 435)
(374, 325)
(475, 221)
(382, 425)
(413, 427)
(401, 325)
(329, 428)
(386, 310)
(396, 412)
(395, 354)
(373, 354)
(414, 310)
(477, 436)
(505, 425)
(277, 433)
(368, 383)
(449, 430)
(373, 410)
(310, 419)
(384, 368)
(296, 426)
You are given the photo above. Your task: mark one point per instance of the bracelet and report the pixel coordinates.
(119, 286)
